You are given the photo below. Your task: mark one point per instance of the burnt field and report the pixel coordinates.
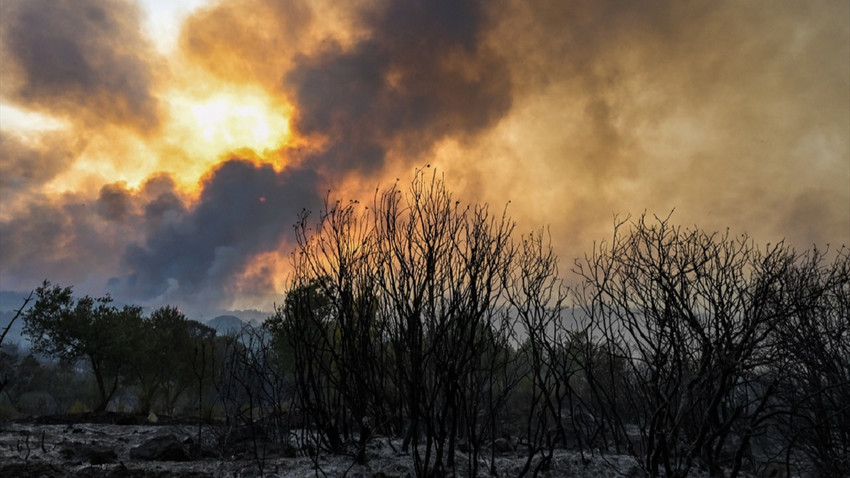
(119, 445)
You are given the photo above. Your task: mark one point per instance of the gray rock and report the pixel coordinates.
(89, 454)
(503, 445)
(161, 448)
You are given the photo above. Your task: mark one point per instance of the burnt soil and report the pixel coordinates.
(109, 444)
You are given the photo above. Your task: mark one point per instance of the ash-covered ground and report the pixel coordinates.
(102, 447)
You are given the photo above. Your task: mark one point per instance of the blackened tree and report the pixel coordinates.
(536, 297)
(813, 368)
(441, 280)
(395, 323)
(691, 316)
(330, 322)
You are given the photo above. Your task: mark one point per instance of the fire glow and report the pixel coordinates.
(226, 122)
(139, 154)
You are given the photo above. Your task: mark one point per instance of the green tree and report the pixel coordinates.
(177, 337)
(161, 360)
(88, 328)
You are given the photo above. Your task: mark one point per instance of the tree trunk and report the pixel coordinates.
(105, 395)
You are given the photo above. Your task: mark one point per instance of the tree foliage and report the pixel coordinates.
(160, 358)
(87, 328)
(120, 345)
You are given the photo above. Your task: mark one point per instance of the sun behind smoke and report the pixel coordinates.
(229, 121)
(206, 127)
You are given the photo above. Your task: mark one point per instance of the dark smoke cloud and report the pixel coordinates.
(421, 75)
(114, 202)
(194, 253)
(188, 252)
(28, 164)
(78, 58)
(418, 74)
(163, 205)
(62, 239)
(248, 41)
(733, 113)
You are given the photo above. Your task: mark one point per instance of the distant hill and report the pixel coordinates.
(225, 324)
(246, 315)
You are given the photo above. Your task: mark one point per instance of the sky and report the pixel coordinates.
(160, 151)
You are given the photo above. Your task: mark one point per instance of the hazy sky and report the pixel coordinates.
(160, 151)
